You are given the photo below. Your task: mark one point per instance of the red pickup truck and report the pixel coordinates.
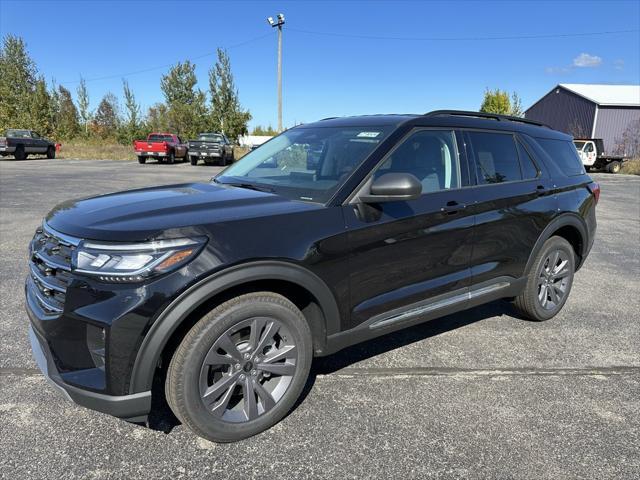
(161, 146)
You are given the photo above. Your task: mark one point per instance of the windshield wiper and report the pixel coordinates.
(249, 186)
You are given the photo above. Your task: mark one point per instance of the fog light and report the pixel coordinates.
(96, 338)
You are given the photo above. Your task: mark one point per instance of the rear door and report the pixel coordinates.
(407, 254)
(512, 205)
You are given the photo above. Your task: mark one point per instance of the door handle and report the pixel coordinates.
(541, 190)
(453, 207)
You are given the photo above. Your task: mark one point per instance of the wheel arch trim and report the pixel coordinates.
(186, 303)
(564, 220)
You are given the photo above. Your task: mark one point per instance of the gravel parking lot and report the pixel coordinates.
(480, 394)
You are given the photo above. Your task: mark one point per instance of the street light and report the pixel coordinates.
(279, 22)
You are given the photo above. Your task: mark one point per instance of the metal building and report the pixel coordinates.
(591, 111)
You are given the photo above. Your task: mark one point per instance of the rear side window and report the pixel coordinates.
(529, 169)
(496, 157)
(564, 154)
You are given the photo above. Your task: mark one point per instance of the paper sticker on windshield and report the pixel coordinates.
(368, 134)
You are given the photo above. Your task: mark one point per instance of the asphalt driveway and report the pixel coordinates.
(480, 394)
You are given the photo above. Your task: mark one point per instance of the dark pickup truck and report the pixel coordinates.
(211, 147)
(22, 143)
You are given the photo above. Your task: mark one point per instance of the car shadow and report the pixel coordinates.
(163, 419)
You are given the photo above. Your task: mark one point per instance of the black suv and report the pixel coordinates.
(327, 235)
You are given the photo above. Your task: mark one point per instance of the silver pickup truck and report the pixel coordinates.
(22, 143)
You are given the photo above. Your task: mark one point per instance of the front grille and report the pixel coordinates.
(50, 268)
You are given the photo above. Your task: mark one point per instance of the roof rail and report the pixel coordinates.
(494, 116)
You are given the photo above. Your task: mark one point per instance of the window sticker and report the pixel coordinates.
(368, 134)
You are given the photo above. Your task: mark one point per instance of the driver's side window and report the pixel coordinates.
(429, 155)
(34, 135)
(588, 148)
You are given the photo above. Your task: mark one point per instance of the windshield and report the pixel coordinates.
(306, 163)
(18, 133)
(210, 137)
(159, 138)
(579, 145)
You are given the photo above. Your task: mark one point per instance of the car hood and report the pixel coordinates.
(138, 215)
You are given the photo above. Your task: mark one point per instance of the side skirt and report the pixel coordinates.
(425, 310)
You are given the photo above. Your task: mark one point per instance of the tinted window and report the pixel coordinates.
(431, 156)
(564, 153)
(529, 169)
(496, 157)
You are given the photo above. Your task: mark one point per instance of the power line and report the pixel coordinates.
(506, 37)
(150, 69)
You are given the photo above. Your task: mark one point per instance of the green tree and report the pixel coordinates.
(260, 130)
(67, 124)
(227, 115)
(157, 118)
(106, 118)
(496, 101)
(516, 105)
(18, 77)
(41, 110)
(83, 105)
(130, 128)
(185, 103)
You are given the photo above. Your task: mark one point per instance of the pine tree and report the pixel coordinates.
(18, 77)
(226, 115)
(83, 105)
(496, 101)
(106, 119)
(41, 110)
(67, 124)
(516, 105)
(185, 103)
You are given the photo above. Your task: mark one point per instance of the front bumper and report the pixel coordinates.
(134, 407)
(205, 154)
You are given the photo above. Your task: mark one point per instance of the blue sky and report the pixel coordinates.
(340, 57)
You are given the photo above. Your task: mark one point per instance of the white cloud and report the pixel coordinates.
(586, 60)
(618, 64)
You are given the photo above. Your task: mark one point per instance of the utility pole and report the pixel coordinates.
(279, 23)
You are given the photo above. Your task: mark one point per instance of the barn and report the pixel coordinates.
(609, 112)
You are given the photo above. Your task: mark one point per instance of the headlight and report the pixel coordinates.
(117, 262)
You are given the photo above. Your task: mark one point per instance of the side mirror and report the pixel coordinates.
(392, 187)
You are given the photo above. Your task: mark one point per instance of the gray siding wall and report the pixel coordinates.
(611, 123)
(564, 111)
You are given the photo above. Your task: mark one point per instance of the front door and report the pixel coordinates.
(405, 253)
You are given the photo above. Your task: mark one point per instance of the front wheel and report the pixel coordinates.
(241, 368)
(549, 281)
(51, 153)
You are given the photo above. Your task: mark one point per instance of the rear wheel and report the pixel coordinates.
(549, 281)
(194, 160)
(241, 368)
(171, 158)
(614, 167)
(142, 160)
(51, 152)
(20, 154)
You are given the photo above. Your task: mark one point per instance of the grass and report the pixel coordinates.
(95, 150)
(631, 167)
(99, 150)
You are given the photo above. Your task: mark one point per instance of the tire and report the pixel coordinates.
(20, 154)
(614, 167)
(194, 160)
(171, 158)
(51, 153)
(548, 288)
(231, 415)
(587, 168)
(231, 158)
(142, 160)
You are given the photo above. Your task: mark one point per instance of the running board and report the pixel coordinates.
(422, 308)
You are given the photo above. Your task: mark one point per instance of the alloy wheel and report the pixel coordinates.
(248, 370)
(553, 279)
